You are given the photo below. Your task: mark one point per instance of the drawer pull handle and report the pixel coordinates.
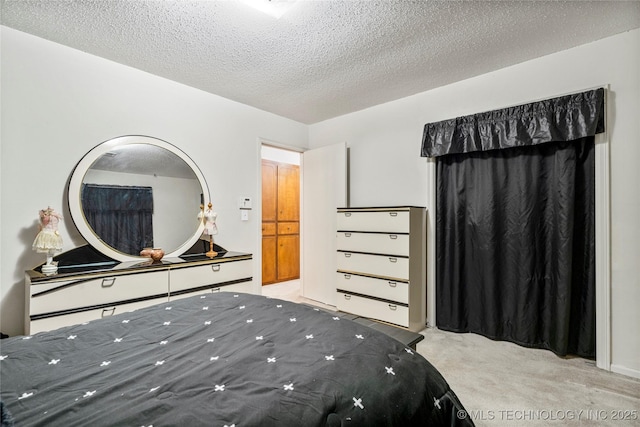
(215, 267)
(393, 307)
(393, 236)
(213, 290)
(107, 312)
(347, 297)
(393, 259)
(393, 284)
(347, 234)
(347, 255)
(108, 282)
(347, 214)
(393, 213)
(347, 276)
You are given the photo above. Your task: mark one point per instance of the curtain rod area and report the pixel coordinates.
(559, 118)
(605, 87)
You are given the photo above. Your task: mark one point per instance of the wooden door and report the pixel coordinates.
(288, 257)
(269, 253)
(288, 192)
(269, 215)
(269, 191)
(280, 222)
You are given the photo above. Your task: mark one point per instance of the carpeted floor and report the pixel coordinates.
(503, 384)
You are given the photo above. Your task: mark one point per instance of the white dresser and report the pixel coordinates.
(382, 264)
(85, 292)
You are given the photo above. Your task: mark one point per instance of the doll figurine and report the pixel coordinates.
(48, 239)
(208, 217)
(210, 226)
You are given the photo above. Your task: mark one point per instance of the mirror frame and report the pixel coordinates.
(75, 190)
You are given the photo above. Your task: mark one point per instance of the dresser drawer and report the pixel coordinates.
(210, 274)
(244, 287)
(74, 294)
(379, 288)
(381, 310)
(50, 323)
(375, 265)
(384, 221)
(382, 243)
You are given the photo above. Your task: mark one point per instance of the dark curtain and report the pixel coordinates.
(515, 223)
(515, 245)
(122, 216)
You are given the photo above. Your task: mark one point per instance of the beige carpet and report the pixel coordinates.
(503, 384)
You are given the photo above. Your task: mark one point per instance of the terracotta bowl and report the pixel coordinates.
(156, 254)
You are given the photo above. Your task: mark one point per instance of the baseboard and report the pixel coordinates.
(625, 371)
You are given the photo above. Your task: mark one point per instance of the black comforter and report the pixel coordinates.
(221, 360)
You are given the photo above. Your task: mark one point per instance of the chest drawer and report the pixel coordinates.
(375, 265)
(74, 294)
(203, 275)
(380, 288)
(396, 244)
(381, 310)
(383, 221)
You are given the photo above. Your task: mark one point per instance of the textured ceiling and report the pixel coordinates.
(144, 159)
(321, 59)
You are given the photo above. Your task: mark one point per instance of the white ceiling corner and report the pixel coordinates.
(320, 59)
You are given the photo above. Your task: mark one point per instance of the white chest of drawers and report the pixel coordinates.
(80, 294)
(382, 264)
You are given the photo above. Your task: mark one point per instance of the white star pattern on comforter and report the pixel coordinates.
(201, 361)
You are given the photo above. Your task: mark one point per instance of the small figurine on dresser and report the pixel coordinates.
(208, 217)
(48, 240)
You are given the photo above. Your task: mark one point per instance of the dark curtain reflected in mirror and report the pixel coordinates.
(121, 215)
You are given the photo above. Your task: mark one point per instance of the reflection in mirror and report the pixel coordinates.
(138, 196)
(121, 215)
(136, 192)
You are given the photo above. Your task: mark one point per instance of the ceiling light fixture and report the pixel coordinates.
(273, 8)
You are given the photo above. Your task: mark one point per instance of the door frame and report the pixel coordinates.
(258, 206)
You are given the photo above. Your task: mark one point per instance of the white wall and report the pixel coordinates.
(280, 155)
(58, 103)
(385, 167)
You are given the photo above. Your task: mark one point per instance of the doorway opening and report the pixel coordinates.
(280, 215)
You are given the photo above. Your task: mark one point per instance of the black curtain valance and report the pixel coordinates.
(565, 118)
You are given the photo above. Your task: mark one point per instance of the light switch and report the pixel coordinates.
(244, 215)
(244, 203)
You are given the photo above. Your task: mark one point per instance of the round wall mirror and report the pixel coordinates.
(137, 192)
